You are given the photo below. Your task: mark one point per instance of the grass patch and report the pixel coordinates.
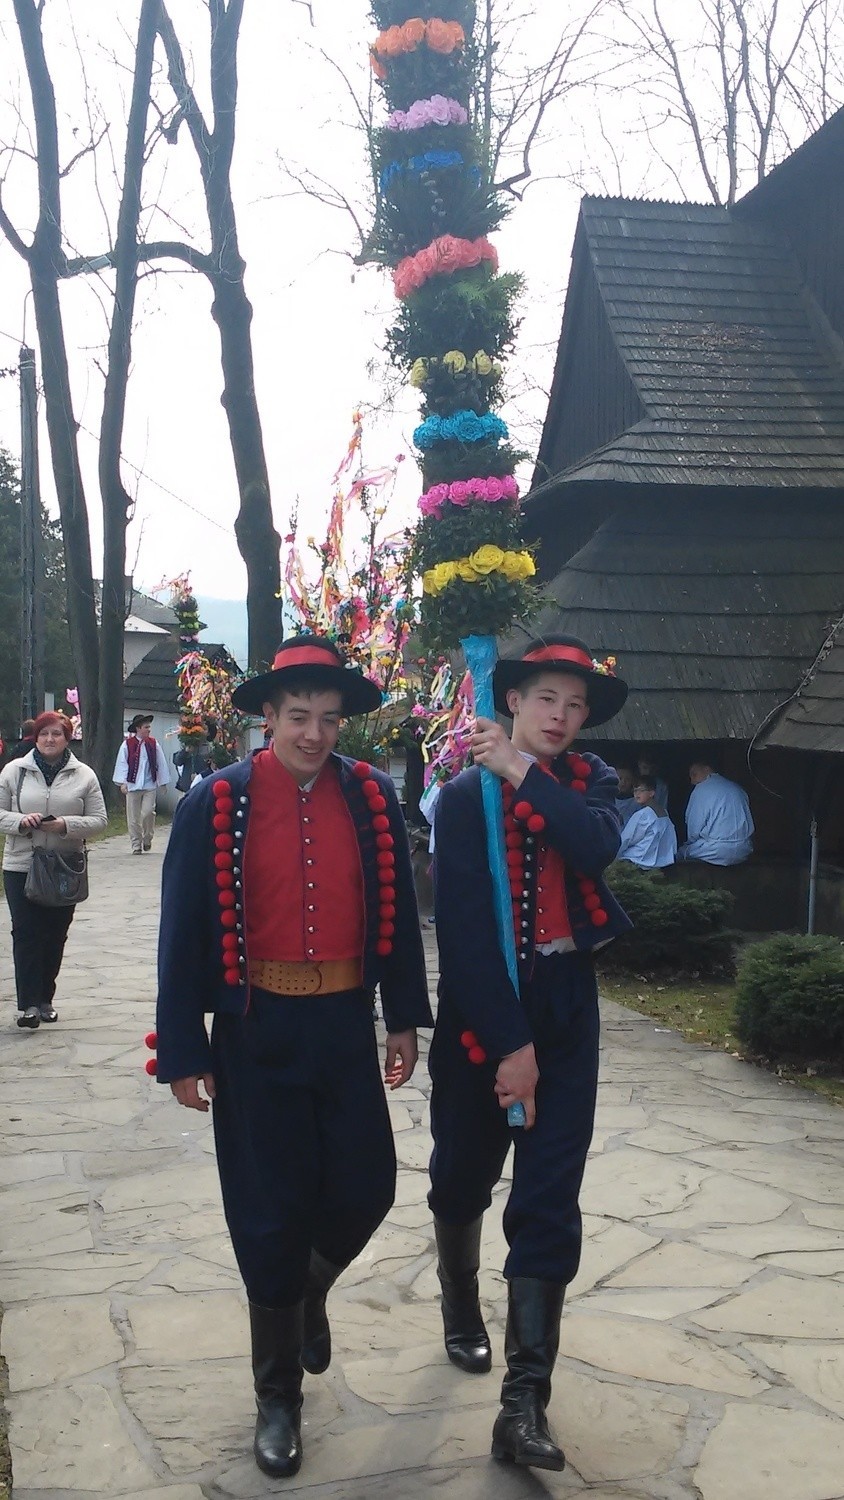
(703, 1011)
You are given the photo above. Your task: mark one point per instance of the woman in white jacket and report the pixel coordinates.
(50, 799)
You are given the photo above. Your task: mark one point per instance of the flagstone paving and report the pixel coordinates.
(703, 1342)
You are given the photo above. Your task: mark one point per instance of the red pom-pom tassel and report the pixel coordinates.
(361, 770)
(151, 1040)
(578, 785)
(383, 947)
(523, 811)
(477, 1056)
(231, 977)
(381, 824)
(151, 1067)
(536, 823)
(599, 918)
(592, 903)
(226, 898)
(468, 1039)
(222, 788)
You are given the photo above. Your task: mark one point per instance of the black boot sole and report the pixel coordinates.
(278, 1471)
(554, 1465)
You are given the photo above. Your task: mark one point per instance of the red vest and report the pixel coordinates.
(302, 874)
(552, 913)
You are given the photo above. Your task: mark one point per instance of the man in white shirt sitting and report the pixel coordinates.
(648, 838)
(719, 825)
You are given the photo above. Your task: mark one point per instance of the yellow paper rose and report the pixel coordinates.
(439, 577)
(455, 361)
(487, 559)
(467, 572)
(419, 373)
(483, 363)
(518, 565)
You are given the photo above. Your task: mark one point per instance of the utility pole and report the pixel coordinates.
(32, 551)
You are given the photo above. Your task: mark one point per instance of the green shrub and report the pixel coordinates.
(677, 929)
(791, 998)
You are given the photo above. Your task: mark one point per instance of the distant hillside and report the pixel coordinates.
(225, 622)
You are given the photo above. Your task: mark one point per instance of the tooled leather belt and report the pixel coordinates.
(330, 977)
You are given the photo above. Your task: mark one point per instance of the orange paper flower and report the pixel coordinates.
(444, 36)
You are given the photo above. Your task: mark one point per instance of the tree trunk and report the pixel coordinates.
(116, 501)
(45, 260)
(257, 538)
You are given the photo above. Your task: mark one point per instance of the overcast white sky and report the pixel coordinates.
(318, 320)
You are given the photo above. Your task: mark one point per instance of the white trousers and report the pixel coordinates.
(140, 815)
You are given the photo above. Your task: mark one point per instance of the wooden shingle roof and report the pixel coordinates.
(813, 719)
(736, 380)
(714, 612)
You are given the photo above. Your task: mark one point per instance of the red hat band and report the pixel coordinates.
(571, 654)
(306, 656)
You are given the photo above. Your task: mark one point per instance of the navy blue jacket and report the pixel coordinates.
(475, 989)
(191, 974)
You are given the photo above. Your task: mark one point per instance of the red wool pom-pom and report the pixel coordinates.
(221, 822)
(371, 788)
(228, 918)
(224, 806)
(224, 841)
(388, 895)
(151, 1067)
(387, 911)
(477, 1056)
(385, 859)
(223, 861)
(587, 886)
(578, 785)
(509, 823)
(222, 788)
(381, 824)
(230, 941)
(386, 929)
(581, 768)
(513, 840)
(536, 823)
(231, 976)
(523, 811)
(385, 841)
(599, 918)
(377, 804)
(383, 947)
(362, 770)
(226, 898)
(225, 879)
(592, 903)
(468, 1039)
(230, 959)
(151, 1040)
(515, 859)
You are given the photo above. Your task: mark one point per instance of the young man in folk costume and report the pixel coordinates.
(493, 1048)
(140, 769)
(287, 897)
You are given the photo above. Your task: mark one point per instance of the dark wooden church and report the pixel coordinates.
(689, 492)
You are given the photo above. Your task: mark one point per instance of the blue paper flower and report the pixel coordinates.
(461, 427)
(429, 161)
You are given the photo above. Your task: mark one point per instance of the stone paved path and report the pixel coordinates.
(703, 1342)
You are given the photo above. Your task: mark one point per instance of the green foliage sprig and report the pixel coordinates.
(487, 608)
(455, 533)
(446, 391)
(449, 461)
(419, 206)
(423, 73)
(472, 311)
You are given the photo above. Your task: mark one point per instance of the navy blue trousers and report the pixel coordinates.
(304, 1144)
(542, 1221)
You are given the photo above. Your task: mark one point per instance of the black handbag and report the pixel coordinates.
(53, 878)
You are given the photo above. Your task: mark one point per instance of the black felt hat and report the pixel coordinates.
(138, 720)
(605, 693)
(317, 659)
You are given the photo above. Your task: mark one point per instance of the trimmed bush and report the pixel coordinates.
(791, 999)
(677, 931)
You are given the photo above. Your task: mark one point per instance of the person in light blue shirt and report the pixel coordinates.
(648, 838)
(719, 825)
(625, 801)
(647, 766)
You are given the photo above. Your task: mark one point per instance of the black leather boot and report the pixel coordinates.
(316, 1349)
(277, 1367)
(466, 1338)
(520, 1434)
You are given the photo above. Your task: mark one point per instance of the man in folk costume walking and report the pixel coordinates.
(493, 1048)
(287, 897)
(140, 769)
